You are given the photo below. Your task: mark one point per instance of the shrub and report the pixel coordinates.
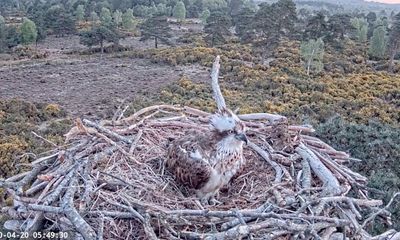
(378, 145)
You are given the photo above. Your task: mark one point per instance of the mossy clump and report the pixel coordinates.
(52, 110)
(12, 150)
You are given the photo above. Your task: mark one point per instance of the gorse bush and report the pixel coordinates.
(17, 120)
(284, 87)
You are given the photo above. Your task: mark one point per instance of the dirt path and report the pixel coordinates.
(88, 85)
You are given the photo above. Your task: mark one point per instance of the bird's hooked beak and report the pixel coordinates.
(241, 137)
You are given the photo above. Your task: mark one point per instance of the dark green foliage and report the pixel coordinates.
(303, 14)
(234, 7)
(13, 37)
(287, 16)
(371, 19)
(338, 25)
(98, 35)
(121, 4)
(316, 27)
(3, 35)
(217, 28)
(59, 21)
(215, 5)
(275, 21)
(394, 40)
(378, 145)
(195, 10)
(36, 14)
(102, 4)
(243, 26)
(156, 28)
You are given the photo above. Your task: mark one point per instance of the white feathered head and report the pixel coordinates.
(227, 123)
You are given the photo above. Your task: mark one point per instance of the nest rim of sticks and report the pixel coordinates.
(109, 182)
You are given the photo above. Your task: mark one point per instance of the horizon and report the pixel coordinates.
(385, 1)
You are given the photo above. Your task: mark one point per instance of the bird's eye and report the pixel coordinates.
(230, 131)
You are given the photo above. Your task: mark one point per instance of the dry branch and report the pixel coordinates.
(331, 183)
(218, 97)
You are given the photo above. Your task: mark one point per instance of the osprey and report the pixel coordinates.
(206, 161)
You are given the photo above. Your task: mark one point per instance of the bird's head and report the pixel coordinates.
(229, 126)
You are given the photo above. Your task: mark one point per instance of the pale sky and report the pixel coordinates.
(385, 1)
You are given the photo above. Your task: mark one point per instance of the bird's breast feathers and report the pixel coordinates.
(195, 164)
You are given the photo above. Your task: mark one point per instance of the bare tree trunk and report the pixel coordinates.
(155, 42)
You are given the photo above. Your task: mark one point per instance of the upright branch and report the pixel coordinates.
(219, 99)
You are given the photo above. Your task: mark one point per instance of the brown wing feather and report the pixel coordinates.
(192, 171)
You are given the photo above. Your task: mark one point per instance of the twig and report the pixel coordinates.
(107, 131)
(374, 215)
(44, 139)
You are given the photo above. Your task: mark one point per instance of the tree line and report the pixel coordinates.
(262, 26)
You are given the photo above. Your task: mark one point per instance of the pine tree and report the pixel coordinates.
(59, 20)
(3, 36)
(163, 10)
(234, 7)
(338, 25)
(217, 28)
(117, 18)
(204, 16)
(275, 21)
(128, 21)
(244, 24)
(316, 27)
(98, 35)
(28, 32)
(105, 17)
(152, 10)
(371, 19)
(361, 27)
(378, 43)
(13, 38)
(215, 5)
(312, 53)
(180, 11)
(394, 40)
(287, 15)
(94, 18)
(80, 13)
(156, 28)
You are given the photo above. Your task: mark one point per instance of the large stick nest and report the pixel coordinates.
(109, 182)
